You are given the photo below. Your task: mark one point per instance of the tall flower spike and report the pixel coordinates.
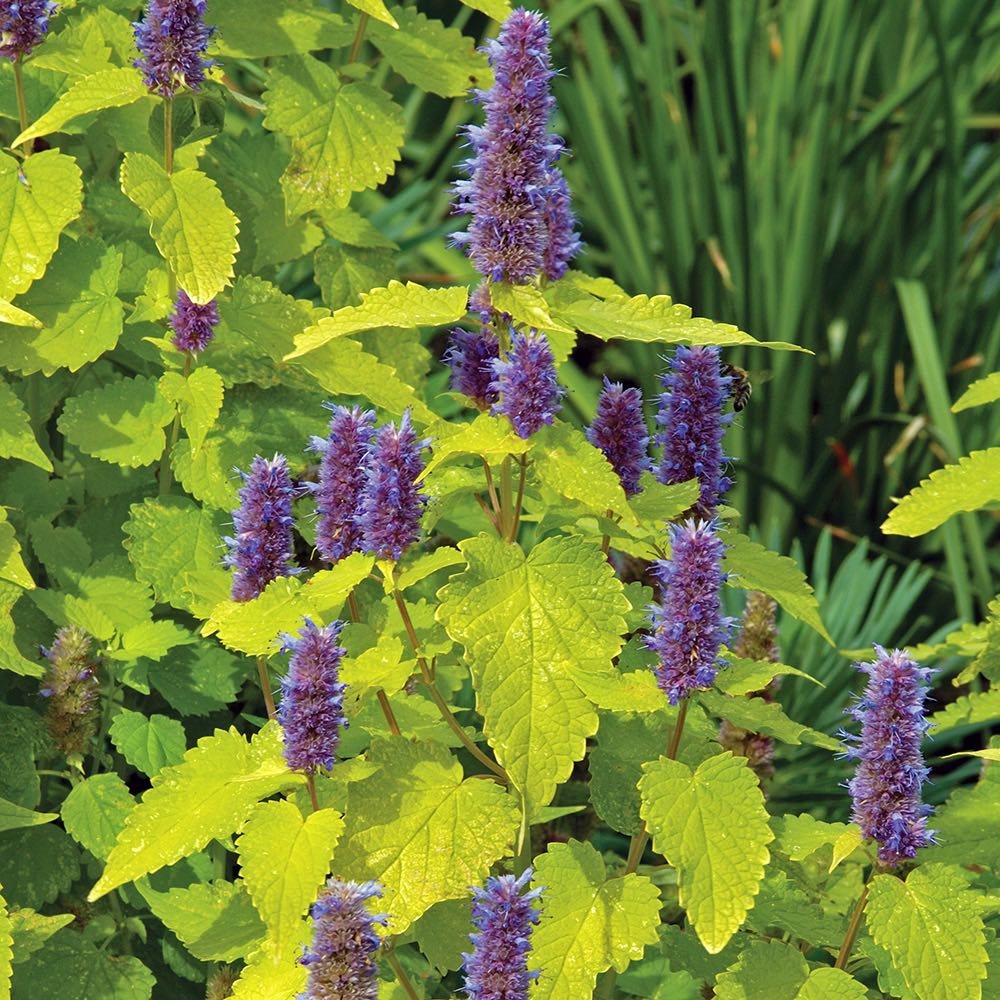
(497, 967)
(470, 356)
(72, 690)
(525, 381)
(391, 502)
(338, 494)
(172, 41)
(312, 697)
(23, 24)
(619, 430)
(261, 548)
(688, 626)
(193, 324)
(512, 154)
(341, 959)
(887, 785)
(560, 223)
(693, 425)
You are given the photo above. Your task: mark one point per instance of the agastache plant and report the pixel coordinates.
(311, 712)
(260, 549)
(692, 425)
(23, 24)
(72, 690)
(886, 788)
(341, 959)
(688, 627)
(524, 380)
(619, 430)
(172, 40)
(193, 324)
(497, 968)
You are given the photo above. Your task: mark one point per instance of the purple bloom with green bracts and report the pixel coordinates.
(619, 430)
(23, 24)
(193, 324)
(886, 787)
(563, 239)
(525, 381)
(497, 967)
(391, 502)
(470, 356)
(261, 548)
(311, 712)
(341, 477)
(688, 626)
(172, 41)
(341, 960)
(693, 424)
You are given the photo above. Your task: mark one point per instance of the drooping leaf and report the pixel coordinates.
(94, 812)
(982, 391)
(17, 440)
(198, 399)
(149, 743)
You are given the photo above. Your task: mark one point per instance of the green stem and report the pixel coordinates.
(166, 470)
(358, 39)
(265, 687)
(401, 976)
(855, 925)
(22, 107)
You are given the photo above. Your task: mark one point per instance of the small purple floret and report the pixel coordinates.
(341, 960)
(470, 356)
(261, 548)
(391, 502)
(193, 324)
(693, 424)
(688, 626)
(619, 430)
(23, 24)
(497, 968)
(172, 41)
(525, 380)
(887, 785)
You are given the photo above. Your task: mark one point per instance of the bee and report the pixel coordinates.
(741, 387)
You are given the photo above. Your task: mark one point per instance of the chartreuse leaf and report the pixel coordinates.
(283, 860)
(831, 984)
(760, 716)
(589, 922)
(149, 743)
(376, 9)
(982, 391)
(422, 831)
(767, 970)
(121, 422)
(430, 56)
(198, 399)
(754, 567)
(31, 930)
(931, 926)
(189, 221)
(799, 837)
(970, 484)
(94, 812)
(539, 632)
(17, 440)
(258, 29)
(711, 825)
(396, 305)
(209, 795)
(344, 138)
(13, 816)
(6, 949)
(110, 88)
(38, 198)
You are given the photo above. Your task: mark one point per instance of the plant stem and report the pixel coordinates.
(358, 39)
(22, 107)
(166, 470)
(401, 976)
(265, 687)
(516, 522)
(432, 690)
(855, 925)
(383, 701)
(311, 785)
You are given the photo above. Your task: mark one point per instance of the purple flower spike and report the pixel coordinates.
(172, 41)
(693, 424)
(262, 547)
(193, 324)
(341, 959)
(312, 697)
(512, 153)
(338, 495)
(23, 24)
(391, 501)
(619, 430)
(563, 238)
(688, 626)
(886, 787)
(72, 690)
(470, 356)
(526, 382)
(497, 968)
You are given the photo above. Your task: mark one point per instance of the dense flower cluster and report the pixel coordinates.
(887, 785)
(338, 494)
(312, 697)
(261, 548)
(693, 424)
(518, 200)
(23, 24)
(391, 503)
(193, 324)
(341, 960)
(619, 430)
(497, 967)
(525, 382)
(688, 626)
(470, 356)
(172, 41)
(72, 690)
